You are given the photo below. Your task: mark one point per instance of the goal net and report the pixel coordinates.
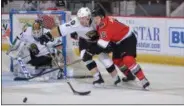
(20, 20)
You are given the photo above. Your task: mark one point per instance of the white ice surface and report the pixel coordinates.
(167, 87)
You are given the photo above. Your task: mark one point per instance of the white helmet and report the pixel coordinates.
(83, 12)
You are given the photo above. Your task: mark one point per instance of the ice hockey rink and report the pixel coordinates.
(167, 87)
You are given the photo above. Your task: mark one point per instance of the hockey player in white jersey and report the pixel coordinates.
(38, 54)
(82, 28)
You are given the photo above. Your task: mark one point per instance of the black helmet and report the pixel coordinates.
(98, 11)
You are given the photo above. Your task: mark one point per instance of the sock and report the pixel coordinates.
(96, 76)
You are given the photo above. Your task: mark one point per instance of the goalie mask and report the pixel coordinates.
(37, 29)
(84, 16)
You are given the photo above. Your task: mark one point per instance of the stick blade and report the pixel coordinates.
(82, 93)
(20, 79)
(80, 77)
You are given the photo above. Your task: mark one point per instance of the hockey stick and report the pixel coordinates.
(68, 82)
(38, 75)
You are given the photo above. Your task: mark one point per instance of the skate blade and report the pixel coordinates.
(101, 85)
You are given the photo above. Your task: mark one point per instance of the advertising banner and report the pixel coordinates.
(5, 28)
(175, 33)
(157, 36)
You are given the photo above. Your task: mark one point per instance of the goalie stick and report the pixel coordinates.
(68, 82)
(38, 75)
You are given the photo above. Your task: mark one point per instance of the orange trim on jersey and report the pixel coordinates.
(113, 30)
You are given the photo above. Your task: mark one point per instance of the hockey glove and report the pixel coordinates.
(34, 49)
(46, 38)
(93, 35)
(74, 35)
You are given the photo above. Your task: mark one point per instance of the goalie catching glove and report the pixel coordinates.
(93, 35)
(46, 38)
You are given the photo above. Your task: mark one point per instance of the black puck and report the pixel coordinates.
(25, 100)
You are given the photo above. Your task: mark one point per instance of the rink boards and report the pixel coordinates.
(160, 40)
